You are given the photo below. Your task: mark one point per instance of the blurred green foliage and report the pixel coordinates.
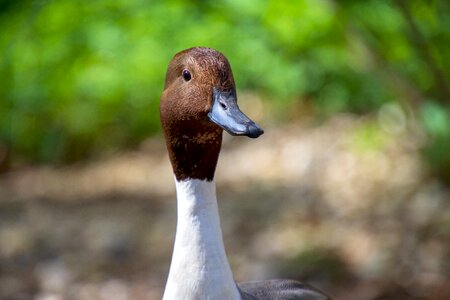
(80, 77)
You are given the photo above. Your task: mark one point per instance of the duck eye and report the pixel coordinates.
(186, 75)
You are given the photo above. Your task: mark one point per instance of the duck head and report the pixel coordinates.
(199, 102)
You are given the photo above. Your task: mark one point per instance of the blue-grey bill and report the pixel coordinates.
(226, 113)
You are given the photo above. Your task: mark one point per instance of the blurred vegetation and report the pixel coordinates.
(311, 263)
(79, 78)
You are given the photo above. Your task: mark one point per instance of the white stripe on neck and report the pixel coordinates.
(199, 268)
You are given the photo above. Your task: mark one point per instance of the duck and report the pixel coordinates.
(198, 103)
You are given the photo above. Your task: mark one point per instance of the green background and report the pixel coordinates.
(82, 78)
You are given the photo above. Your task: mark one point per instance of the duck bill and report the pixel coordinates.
(226, 113)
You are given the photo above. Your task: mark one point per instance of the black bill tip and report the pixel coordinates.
(253, 131)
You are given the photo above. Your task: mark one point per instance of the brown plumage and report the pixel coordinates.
(193, 141)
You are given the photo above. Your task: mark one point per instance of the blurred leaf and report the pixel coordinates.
(369, 138)
(436, 119)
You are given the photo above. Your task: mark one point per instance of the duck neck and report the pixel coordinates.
(193, 149)
(199, 268)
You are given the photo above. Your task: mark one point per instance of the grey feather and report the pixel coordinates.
(279, 289)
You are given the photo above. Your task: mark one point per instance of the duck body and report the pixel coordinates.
(279, 289)
(198, 103)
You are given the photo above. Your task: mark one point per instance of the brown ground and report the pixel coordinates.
(359, 219)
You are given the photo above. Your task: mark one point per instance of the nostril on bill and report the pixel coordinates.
(223, 105)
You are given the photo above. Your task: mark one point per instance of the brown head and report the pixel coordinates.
(198, 102)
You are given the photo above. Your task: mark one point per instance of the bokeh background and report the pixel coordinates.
(348, 189)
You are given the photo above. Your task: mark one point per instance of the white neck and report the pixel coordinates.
(199, 268)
